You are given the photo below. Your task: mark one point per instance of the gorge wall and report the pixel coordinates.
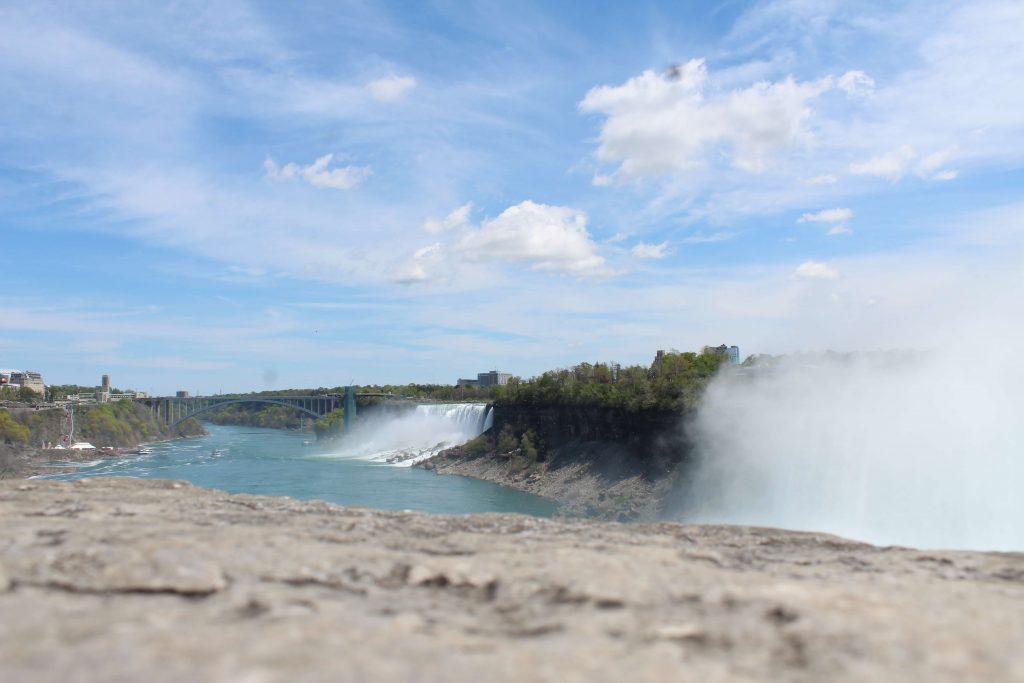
(593, 461)
(122, 424)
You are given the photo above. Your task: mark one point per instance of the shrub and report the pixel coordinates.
(12, 431)
(507, 441)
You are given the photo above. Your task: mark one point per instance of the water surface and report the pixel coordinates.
(275, 462)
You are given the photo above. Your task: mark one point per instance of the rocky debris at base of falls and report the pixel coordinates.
(131, 579)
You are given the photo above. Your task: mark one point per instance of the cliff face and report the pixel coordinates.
(122, 424)
(647, 443)
(597, 462)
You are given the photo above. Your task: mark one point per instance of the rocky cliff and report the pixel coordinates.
(122, 425)
(597, 462)
(150, 580)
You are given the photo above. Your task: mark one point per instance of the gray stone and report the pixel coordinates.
(161, 581)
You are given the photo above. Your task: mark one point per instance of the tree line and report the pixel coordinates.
(674, 381)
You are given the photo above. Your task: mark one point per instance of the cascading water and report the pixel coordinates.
(417, 435)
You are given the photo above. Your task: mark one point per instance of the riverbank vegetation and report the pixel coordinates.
(125, 423)
(12, 431)
(118, 424)
(331, 424)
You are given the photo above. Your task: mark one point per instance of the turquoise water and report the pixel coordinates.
(274, 462)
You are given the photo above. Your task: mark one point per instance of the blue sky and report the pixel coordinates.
(227, 196)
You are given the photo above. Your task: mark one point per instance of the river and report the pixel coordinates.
(275, 462)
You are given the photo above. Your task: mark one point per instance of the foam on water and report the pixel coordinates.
(417, 435)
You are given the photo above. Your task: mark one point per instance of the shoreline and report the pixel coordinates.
(25, 463)
(579, 488)
(198, 584)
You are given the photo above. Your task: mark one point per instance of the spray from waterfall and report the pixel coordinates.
(920, 449)
(414, 436)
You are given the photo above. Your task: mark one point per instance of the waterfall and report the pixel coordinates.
(417, 435)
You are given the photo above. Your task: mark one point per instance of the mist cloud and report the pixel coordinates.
(913, 448)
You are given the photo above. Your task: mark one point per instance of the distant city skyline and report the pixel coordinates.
(243, 196)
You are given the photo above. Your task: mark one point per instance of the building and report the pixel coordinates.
(732, 353)
(103, 395)
(492, 378)
(181, 394)
(485, 379)
(23, 379)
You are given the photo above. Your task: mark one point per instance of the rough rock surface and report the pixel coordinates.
(149, 580)
(572, 481)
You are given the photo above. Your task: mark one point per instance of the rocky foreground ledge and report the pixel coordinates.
(136, 580)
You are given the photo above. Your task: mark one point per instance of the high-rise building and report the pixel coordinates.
(492, 378)
(730, 353)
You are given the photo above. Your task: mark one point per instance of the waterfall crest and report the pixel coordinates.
(417, 435)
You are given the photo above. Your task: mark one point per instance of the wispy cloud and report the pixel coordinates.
(643, 250)
(318, 173)
(815, 270)
(458, 218)
(827, 216)
(390, 88)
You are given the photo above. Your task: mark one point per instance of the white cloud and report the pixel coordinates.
(892, 166)
(827, 216)
(815, 270)
(318, 174)
(895, 164)
(418, 268)
(547, 237)
(930, 167)
(649, 251)
(856, 83)
(823, 179)
(390, 88)
(840, 229)
(666, 122)
(601, 180)
(619, 237)
(456, 219)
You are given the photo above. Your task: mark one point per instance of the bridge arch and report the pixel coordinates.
(218, 404)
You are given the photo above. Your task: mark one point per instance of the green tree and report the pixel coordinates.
(527, 447)
(12, 431)
(507, 441)
(330, 424)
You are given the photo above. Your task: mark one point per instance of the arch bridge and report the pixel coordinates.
(173, 410)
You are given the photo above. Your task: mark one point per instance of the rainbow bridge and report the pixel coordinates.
(173, 410)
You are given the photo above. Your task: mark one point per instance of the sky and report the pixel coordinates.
(232, 196)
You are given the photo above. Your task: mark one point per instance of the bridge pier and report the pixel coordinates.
(350, 408)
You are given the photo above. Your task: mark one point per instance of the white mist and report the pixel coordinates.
(410, 437)
(923, 449)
